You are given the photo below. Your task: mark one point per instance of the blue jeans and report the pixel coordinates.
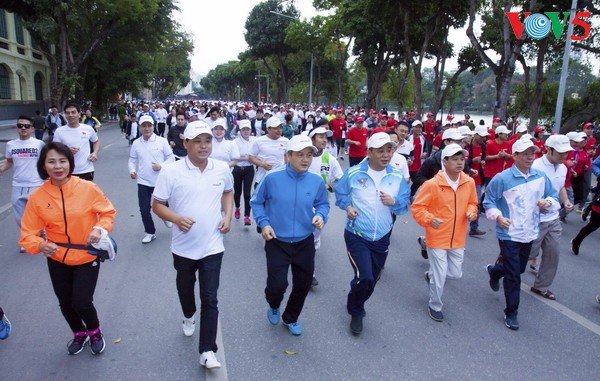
(367, 259)
(209, 271)
(511, 263)
(145, 202)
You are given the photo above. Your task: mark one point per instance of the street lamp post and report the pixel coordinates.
(363, 91)
(258, 77)
(238, 93)
(20, 75)
(443, 87)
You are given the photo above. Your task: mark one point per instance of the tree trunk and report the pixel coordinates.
(536, 99)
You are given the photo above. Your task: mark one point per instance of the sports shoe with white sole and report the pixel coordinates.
(189, 326)
(209, 360)
(80, 340)
(97, 343)
(148, 238)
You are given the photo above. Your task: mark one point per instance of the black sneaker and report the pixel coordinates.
(97, 341)
(476, 232)
(511, 322)
(436, 315)
(586, 212)
(356, 325)
(574, 247)
(315, 282)
(494, 284)
(80, 340)
(421, 241)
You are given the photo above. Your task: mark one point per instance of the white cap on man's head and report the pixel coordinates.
(320, 130)
(453, 149)
(560, 143)
(196, 128)
(502, 130)
(145, 119)
(220, 122)
(521, 145)
(273, 122)
(379, 139)
(452, 133)
(416, 123)
(521, 128)
(576, 136)
(481, 131)
(300, 142)
(244, 123)
(465, 131)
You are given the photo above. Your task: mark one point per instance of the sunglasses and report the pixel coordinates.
(23, 125)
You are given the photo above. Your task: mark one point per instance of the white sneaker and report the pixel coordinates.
(189, 326)
(317, 243)
(148, 238)
(209, 360)
(21, 249)
(168, 224)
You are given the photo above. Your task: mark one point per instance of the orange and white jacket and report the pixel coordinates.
(68, 214)
(437, 199)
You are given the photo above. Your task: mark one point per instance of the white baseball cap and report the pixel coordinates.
(453, 149)
(300, 142)
(521, 145)
(273, 122)
(502, 130)
(417, 123)
(320, 130)
(521, 128)
(196, 128)
(481, 131)
(560, 143)
(452, 133)
(145, 119)
(379, 139)
(244, 123)
(465, 131)
(219, 122)
(576, 136)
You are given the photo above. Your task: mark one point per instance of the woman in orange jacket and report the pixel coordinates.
(444, 206)
(70, 211)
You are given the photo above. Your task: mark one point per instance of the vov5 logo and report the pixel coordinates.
(538, 25)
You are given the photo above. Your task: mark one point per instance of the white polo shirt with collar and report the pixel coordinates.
(405, 148)
(557, 175)
(197, 195)
(144, 153)
(270, 151)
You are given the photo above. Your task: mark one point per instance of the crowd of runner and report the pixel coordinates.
(278, 167)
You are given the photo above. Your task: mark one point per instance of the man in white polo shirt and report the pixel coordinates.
(197, 189)
(268, 151)
(23, 153)
(146, 158)
(77, 137)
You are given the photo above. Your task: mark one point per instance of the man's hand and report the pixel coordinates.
(184, 223)
(351, 212)
(317, 222)
(268, 233)
(225, 225)
(471, 216)
(568, 207)
(503, 222)
(93, 157)
(543, 205)
(267, 166)
(133, 175)
(156, 167)
(386, 199)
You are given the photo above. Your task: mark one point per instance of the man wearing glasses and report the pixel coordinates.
(23, 154)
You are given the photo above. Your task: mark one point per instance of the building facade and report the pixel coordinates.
(24, 71)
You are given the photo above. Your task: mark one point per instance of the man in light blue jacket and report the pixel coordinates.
(371, 193)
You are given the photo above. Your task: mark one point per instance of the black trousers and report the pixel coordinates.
(242, 180)
(161, 129)
(300, 256)
(86, 176)
(355, 160)
(74, 287)
(209, 270)
(591, 227)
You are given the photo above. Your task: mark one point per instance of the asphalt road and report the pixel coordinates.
(141, 317)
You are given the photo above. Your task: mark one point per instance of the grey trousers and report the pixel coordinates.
(548, 242)
(443, 264)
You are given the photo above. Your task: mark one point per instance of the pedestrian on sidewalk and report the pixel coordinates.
(71, 211)
(23, 154)
(515, 198)
(243, 172)
(199, 192)
(371, 193)
(147, 156)
(288, 204)
(444, 206)
(548, 240)
(39, 125)
(594, 222)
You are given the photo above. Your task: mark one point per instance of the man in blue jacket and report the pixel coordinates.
(287, 205)
(515, 198)
(370, 192)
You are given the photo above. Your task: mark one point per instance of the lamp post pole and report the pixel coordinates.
(20, 75)
(443, 87)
